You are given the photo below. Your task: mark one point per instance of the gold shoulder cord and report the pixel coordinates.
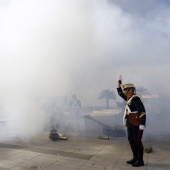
(142, 114)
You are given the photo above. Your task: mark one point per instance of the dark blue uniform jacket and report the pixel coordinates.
(135, 105)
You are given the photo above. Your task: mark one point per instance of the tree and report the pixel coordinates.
(121, 105)
(107, 94)
(142, 90)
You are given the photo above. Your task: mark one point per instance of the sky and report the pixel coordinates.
(64, 47)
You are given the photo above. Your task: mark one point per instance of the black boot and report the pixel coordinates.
(133, 160)
(135, 157)
(138, 163)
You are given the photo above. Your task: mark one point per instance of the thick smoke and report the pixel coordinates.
(59, 47)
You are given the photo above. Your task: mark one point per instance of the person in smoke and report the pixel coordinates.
(74, 113)
(134, 120)
(74, 106)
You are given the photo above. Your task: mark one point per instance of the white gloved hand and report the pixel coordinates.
(142, 127)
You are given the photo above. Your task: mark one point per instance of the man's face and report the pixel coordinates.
(128, 91)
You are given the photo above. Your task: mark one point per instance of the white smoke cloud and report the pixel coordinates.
(56, 47)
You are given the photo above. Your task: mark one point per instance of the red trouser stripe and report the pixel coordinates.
(139, 135)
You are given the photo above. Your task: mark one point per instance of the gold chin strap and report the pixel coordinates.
(142, 114)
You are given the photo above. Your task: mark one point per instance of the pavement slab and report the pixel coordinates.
(81, 153)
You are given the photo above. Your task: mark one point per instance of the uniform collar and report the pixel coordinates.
(130, 96)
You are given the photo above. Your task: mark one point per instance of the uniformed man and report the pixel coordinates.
(134, 119)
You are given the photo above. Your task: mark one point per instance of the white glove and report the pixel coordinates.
(142, 127)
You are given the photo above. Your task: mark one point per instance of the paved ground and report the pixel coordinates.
(80, 153)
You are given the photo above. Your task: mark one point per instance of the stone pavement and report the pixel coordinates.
(80, 153)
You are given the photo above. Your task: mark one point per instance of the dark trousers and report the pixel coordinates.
(135, 137)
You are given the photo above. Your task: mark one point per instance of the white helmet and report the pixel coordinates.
(128, 86)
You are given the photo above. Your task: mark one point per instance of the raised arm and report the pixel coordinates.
(119, 90)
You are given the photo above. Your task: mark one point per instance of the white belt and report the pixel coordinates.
(133, 112)
(127, 112)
